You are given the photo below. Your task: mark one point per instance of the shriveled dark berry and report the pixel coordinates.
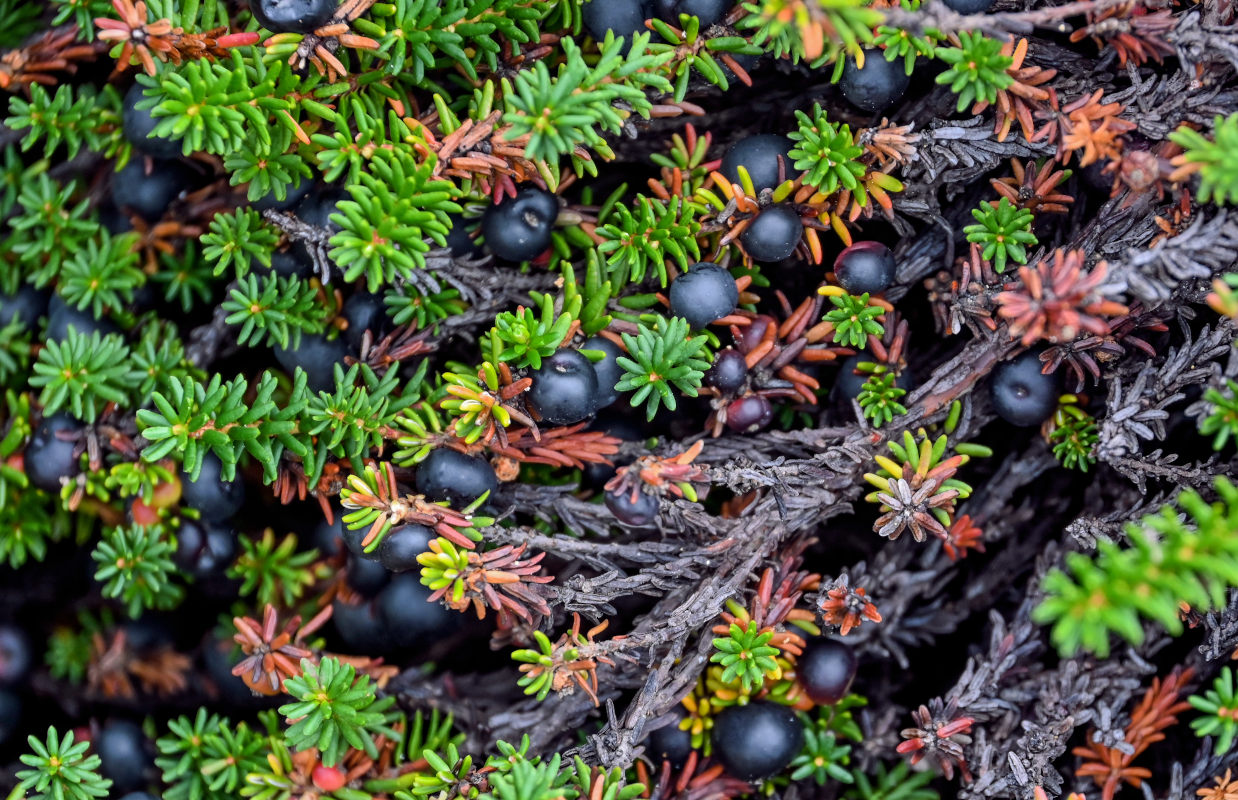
(969, 6)
(122, 749)
(449, 475)
(317, 355)
(10, 714)
(825, 670)
(757, 740)
(565, 388)
(704, 293)
(365, 312)
(729, 372)
(759, 155)
(407, 616)
(623, 17)
(61, 317)
(48, 458)
(138, 123)
(149, 194)
(14, 655)
(26, 304)
(1022, 394)
(366, 576)
(204, 549)
(877, 85)
(519, 228)
(669, 743)
(402, 544)
(607, 370)
(637, 514)
(293, 16)
(749, 414)
(214, 498)
(774, 234)
(865, 267)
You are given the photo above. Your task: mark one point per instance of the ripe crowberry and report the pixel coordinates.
(729, 372)
(293, 195)
(462, 239)
(14, 655)
(969, 6)
(749, 414)
(518, 229)
(214, 499)
(149, 194)
(399, 549)
(669, 743)
(293, 16)
(62, 317)
(759, 155)
(703, 294)
(317, 356)
(138, 124)
(865, 267)
(359, 627)
(825, 670)
(623, 17)
(875, 86)
(121, 746)
(26, 304)
(204, 549)
(365, 312)
(452, 476)
(708, 12)
(408, 620)
(318, 206)
(293, 261)
(49, 458)
(1022, 394)
(773, 235)
(564, 390)
(366, 576)
(639, 514)
(607, 370)
(757, 740)
(849, 382)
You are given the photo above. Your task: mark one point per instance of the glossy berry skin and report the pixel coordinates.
(729, 372)
(215, 499)
(518, 229)
(365, 311)
(773, 235)
(757, 740)
(359, 627)
(204, 549)
(759, 156)
(564, 390)
(624, 17)
(26, 304)
(825, 670)
(449, 475)
(865, 267)
(293, 16)
(704, 293)
(877, 85)
(639, 514)
(62, 317)
(969, 6)
(366, 576)
(407, 618)
(138, 124)
(709, 12)
(398, 550)
(48, 458)
(669, 743)
(749, 414)
(318, 356)
(10, 715)
(607, 370)
(121, 746)
(149, 195)
(462, 239)
(14, 655)
(1022, 395)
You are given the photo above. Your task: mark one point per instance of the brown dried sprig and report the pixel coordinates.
(272, 654)
(961, 537)
(1057, 300)
(571, 447)
(55, 51)
(1034, 188)
(846, 607)
(114, 665)
(568, 665)
(1136, 34)
(1226, 788)
(499, 579)
(939, 734)
(889, 145)
(1085, 356)
(776, 603)
(1025, 96)
(147, 40)
(673, 474)
(378, 491)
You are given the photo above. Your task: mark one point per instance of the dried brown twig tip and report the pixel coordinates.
(889, 144)
(114, 665)
(1035, 189)
(54, 51)
(500, 579)
(1058, 300)
(1136, 34)
(846, 607)
(1019, 101)
(939, 735)
(147, 40)
(318, 48)
(570, 447)
(962, 536)
(272, 655)
(673, 474)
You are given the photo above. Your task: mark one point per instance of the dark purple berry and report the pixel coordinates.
(318, 206)
(204, 549)
(366, 576)
(969, 6)
(849, 382)
(749, 414)
(462, 239)
(359, 627)
(402, 544)
(875, 86)
(519, 228)
(139, 796)
(774, 234)
(365, 312)
(122, 749)
(759, 155)
(407, 616)
(26, 304)
(704, 293)
(451, 476)
(708, 12)
(62, 317)
(607, 370)
(669, 743)
(214, 498)
(623, 17)
(329, 537)
(636, 514)
(318, 356)
(49, 458)
(865, 267)
(14, 655)
(138, 123)
(294, 193)
(1022, 394)
(293, 16)
(825, 670)
(757, 740)
(729, 372)
(565, 388)
(292, 262)
(149, 194)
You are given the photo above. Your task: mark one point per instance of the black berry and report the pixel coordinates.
(875, 86)
(597, 475)
(849, 382)
(399, 549)
(623, 17)
(759, 155)
(708, 12)
(365, 312)
(48, 458)
(565, 388)
(1022, 394)
(637, 514)
(139, 796)
(969, 6)
(138, 123)
(518, 229)
(366, 576)
(408, 617)
(14, 655)
(462, 239)
(290, 262)
(729, 372)
(204, 549)
(149, 194)
(825, 670)
(10, 714)
(215, 499)
(669, 743)
(317, 355)
(62, 317)
(26, 304)
(757, 740)
(703, 294)
(329, 537)
(607, 370)
(773, 235)
(294, 193)
(316, 209)
(121, 746)
(749, 414)
(359, 627)
(293, 16)
(452, 476)
(865, 267)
